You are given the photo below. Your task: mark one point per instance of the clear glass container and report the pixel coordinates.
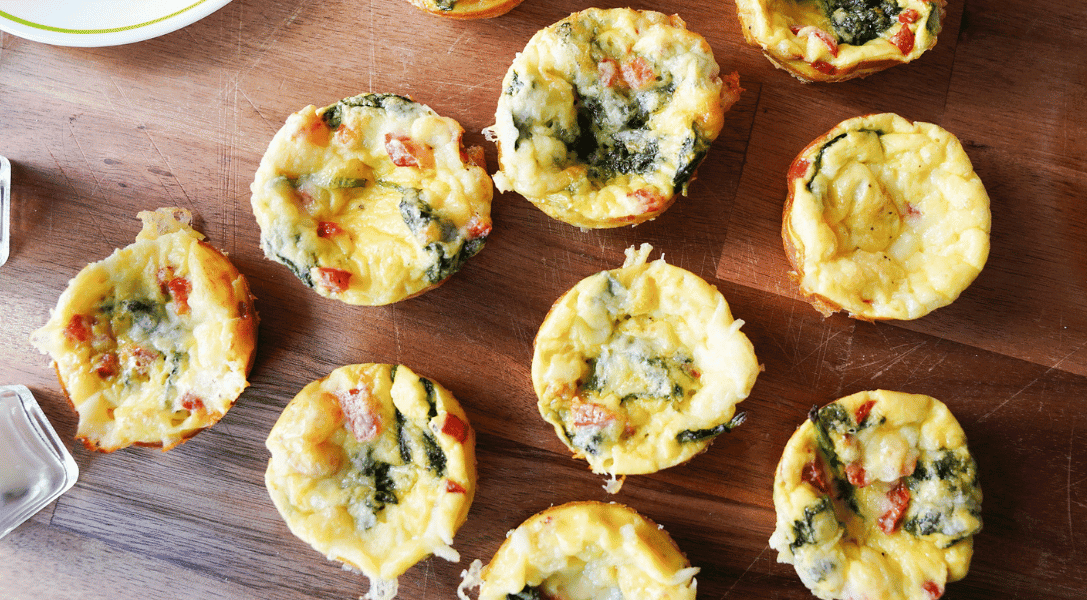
(5, 209)
(35, 467)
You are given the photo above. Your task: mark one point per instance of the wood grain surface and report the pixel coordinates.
(97, 134)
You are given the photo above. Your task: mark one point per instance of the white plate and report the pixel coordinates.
(100, 22)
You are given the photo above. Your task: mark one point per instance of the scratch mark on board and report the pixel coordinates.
(746, 571)
(1068, 491)
(1052, 368)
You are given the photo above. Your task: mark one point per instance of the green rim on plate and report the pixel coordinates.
(99, 31)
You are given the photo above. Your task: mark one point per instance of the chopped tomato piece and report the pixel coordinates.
(638, 73)
(903, 39)
(649, 201)
(334, 280)
(191, 402)
(360, 413)
(828, 40)
(912, 211)
(856, 474)
(933, 589)
(863, 410)
(454, 427)
(608, 71)
(345, 135)
(328, 229)
(908, 16)
(798, 169)
(587, 414)
(179, 291)
(78, 329)
(899, 498)
(824, 67)
(107, 365)
(313, 130)
(406, 152)
(452, 487)
(813, 475)
(478, 227)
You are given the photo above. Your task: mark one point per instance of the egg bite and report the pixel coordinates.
(885, 219)
(836, 40)
(639, 368)
(466, 9)
(371, 200)
(374, 467)
(152, 344)
(606, 115)
(585, 550)
(877, 496)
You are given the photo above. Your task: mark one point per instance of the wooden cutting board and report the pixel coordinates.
(96, 135)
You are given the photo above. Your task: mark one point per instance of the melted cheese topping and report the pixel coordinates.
(371, 200)
(374, 467)
(817, 40)
(885, 218)
(877, 496)
(606, 114)
(591, 551)
(639, 368)
(153, 343)
(467, 9)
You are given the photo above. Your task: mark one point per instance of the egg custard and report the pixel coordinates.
(153, 343)
(885, 219)
(606, 115)
(640, 368)
(371, 200)
(373, 466)
(585, 550)
(836, 40)
(467, 9)
(877, 496)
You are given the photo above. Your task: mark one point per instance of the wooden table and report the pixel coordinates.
(95, 135)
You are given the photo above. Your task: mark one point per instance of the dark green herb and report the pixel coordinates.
(431, 399)
(692, 153)
(301, 273)
(384, 488)
(402, 442)
(858, 21)
(435, 458)
(333, 115)
(694, 435)
(804, 529)
(528, 593)
(932, 24)
(445, 5)
(515, 84)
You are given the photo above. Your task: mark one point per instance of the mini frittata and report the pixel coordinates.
(877, 496)
(153, 343)
(639, 368)
(836, 40)
(467, 9)
(605, 116)
(374, 466)
(585, 550)
(885, 219)
(371, 200)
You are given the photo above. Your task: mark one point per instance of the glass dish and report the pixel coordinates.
(35, 467)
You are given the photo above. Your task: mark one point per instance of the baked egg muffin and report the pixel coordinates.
(877, 496)
(606, 115)
(374, 467)
(153, 343)
(885, 219)
(371, 200)
(836, 40)
(584, 550)
(639, 368)
(466, 9)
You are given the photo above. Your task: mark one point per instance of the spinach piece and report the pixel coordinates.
(515, 85)
(691, 155)
(435, 458)
(431, 399)
(932, 23)
(384, 488)
(402, 441)
(301, 273)
(804, 529)
(451, 250)
(443, 265)
(445, 5)
(333, 115)
(694, 435)
(528, 593)
(597, 142)
(859, 21)
(834, 418)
